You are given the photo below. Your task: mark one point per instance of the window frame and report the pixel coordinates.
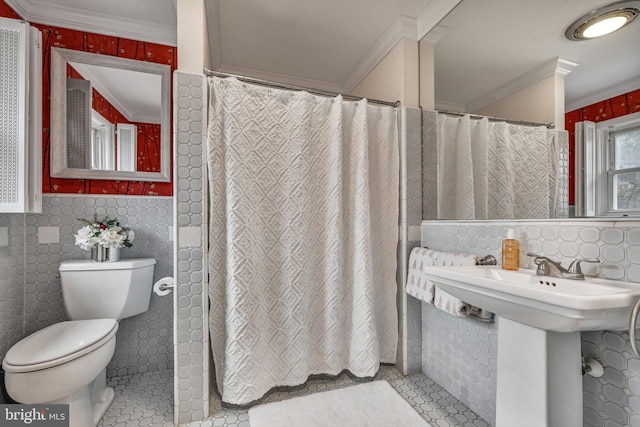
(608, 135)
(595, 168)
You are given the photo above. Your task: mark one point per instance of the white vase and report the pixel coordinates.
(101, 253)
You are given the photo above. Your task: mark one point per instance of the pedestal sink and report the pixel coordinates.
(540, 319)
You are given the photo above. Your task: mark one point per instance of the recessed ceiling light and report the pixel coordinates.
(604, 20)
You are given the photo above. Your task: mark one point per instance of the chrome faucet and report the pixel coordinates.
(549, 267)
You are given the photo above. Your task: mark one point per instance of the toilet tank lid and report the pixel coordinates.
(88, 265)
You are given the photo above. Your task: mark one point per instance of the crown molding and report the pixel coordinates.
(449, 106)
(556, 66)
(282, 78)
(435, 35)
(601, 95)
(431, 16)
(402, 27)
(67, 17)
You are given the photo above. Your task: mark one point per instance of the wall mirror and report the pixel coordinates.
(110, 117)
(481, 47)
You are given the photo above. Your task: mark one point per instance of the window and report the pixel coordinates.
(608, 167)
(623, 183)
(103, 150)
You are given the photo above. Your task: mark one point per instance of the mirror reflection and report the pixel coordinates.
(488, 53)
(111, 119)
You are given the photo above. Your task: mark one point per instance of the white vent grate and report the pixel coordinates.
(10, 123)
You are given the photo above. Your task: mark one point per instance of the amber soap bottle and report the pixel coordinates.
(510, 252)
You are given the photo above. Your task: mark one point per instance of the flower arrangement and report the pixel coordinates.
(106, 232)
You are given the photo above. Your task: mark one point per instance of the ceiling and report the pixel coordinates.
(482, 47)
(490, 47)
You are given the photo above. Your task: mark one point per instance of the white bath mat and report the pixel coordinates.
(374, 404)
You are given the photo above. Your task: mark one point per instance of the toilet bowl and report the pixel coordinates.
(65, 363)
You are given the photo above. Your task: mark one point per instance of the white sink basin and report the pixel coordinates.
(549, 303)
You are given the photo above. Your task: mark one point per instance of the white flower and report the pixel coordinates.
(112, 238)
(106, 232)
(85, 237)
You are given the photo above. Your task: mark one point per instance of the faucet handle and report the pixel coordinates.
(575, 268)
(541, 259)
(536, 258)
(545, 265)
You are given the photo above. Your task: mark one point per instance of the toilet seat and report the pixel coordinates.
(59, 343)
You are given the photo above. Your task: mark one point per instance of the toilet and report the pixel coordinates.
(66, 363)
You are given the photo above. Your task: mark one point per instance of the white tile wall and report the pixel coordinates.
(12, 282)
(409, 360)
(191, 340)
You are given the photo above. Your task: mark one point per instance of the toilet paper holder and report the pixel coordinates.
(164, 286)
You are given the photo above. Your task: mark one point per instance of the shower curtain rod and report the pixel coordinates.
(314, 91)
(497, 119)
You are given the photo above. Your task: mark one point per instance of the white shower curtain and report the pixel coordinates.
(303, 235)
(496, 170)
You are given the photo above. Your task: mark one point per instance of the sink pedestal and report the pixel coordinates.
(539, 377)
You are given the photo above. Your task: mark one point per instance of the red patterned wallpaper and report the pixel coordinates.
(105, 45)
(617, 106)
(7, 12)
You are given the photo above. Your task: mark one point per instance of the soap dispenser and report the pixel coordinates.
(510, 252)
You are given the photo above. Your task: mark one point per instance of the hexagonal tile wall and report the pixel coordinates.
(11, 280)
(191, 339)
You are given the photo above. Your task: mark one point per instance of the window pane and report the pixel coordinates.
(626, 187)
(627, 149)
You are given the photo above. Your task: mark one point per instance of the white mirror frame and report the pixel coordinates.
(59, 169)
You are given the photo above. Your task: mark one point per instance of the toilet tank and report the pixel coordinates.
(114, 290)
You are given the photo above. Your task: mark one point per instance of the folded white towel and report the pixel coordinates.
(417, 283)
(419, 286)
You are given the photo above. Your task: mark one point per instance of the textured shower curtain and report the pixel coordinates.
(496, 170)
(303, 235)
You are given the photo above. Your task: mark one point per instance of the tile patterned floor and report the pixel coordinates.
(147, 400)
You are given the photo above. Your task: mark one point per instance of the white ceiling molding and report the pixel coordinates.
(610, 92)
(564, 67)
(556, 66)
(431, 16)
(66, 17)
(282, 78)
(212, 9)
(449, 106)
(435, 35)
(402, 27)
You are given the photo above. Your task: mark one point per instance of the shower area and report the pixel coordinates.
(214, 234)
